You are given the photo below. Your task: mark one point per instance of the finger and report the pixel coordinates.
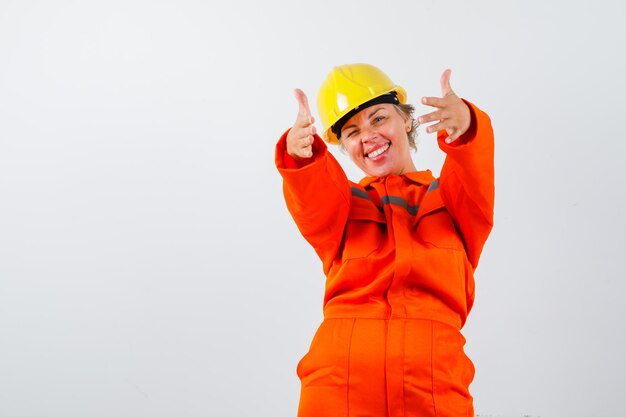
(306, 148)
(433, 117)
(453, 135)
(300, 143)
(304, 117)
(435, 101)
(304, 131)
(444, 124)
(303, 102)
(306, 141)
(301, 125)
(305, 122)
(446, 89)
(301, 137)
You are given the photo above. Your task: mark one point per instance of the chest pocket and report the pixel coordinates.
(365, 231)
(434, 225)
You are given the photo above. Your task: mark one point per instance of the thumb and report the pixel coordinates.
(446, 89)
(303, 103)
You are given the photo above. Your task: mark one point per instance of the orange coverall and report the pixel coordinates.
(399, 254)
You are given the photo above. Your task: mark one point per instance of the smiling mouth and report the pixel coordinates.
(378, 151)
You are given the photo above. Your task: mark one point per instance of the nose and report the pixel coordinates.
(367, 134)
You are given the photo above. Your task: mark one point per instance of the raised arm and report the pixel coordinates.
(465, 134)
(316, 189)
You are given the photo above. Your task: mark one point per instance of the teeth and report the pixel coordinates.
(378, 151)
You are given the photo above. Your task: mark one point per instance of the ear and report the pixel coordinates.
(408, 124)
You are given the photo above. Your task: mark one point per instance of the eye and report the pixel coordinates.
(378, 119)
(351, 133)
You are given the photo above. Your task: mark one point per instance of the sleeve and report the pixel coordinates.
(467, 182)
(317, 193)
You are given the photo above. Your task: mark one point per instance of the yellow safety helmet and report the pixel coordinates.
(346, 88)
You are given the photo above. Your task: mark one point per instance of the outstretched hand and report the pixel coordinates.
(452, 113)
(300, 137)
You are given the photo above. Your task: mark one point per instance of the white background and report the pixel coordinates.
(149, 267)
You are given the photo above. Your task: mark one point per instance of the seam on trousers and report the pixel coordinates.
(432, 367)
(403, 366)
(386, 327)
(348, 369)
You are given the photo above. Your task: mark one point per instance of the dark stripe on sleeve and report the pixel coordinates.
(433, 186)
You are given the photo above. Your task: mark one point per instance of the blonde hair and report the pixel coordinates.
(407, 110)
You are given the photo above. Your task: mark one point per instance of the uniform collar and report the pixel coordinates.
(418, 177)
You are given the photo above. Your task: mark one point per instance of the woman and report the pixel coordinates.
(398, 249)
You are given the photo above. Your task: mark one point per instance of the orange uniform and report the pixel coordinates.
(399, 254)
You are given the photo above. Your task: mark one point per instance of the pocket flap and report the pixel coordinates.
(363, 208)
(431, 203)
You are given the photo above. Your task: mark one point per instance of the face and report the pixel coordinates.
(376, 140)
